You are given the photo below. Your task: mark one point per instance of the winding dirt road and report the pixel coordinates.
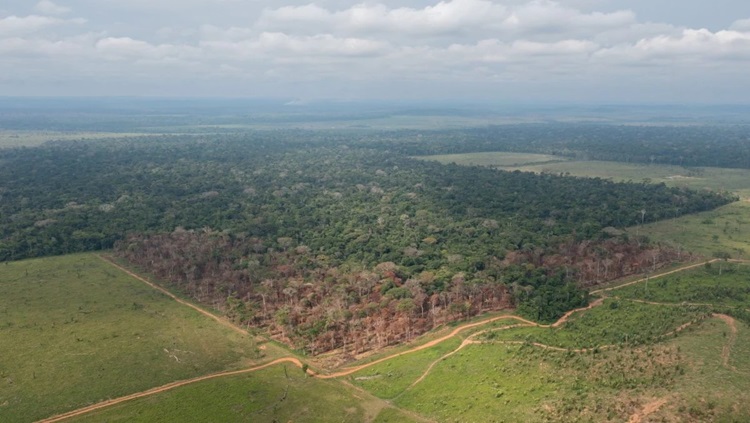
(650, 408)
(166, 387)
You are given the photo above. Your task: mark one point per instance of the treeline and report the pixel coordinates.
(299, 297)
(219, 216)
(691, 146)
(352, 204)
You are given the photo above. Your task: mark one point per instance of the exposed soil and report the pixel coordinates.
(727, 350)
(647, 410)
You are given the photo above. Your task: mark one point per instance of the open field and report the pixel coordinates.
(497, 159)
(34, 138)
(278, 394)
(485, 372)
(74, 330)
(726, 229)
(720, 284)
(613, 323)
(734, 180)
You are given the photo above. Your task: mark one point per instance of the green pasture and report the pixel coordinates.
(513, 383)
(724, 230)
(75, 331)
(388, 379)
(10, 138)
(496, 159)
(719, 284)
(710, 391)
(280, 393)
(719, 179)
(613, 323)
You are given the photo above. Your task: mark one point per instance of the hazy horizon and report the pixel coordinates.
(475, 51)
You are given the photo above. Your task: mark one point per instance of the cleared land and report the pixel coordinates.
(75, 331)
(635, 365)
(33, 138)
(726, 229)
(496, 159)
(734, 180)
(719, 284)
(281, 393)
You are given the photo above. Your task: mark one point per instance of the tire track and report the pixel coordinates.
(165, 388)
(346, 372)
(647, 410)
(222, 321)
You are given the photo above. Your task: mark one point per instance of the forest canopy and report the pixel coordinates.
(321, 237)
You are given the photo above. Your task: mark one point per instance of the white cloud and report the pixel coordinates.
(13, 25)
(49, 8)
(741, 25)
(477, 43)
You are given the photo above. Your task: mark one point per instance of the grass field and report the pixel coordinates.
(34, 138)
(726, 229)
(720, 284)
(276, 394)
(734, 180)
(496, 159)
(613, 323)
(85, 332)
(74, 331)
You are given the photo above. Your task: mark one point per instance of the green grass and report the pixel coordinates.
(390, 378)
(613, 323)
(74, 331)
(276, 394)
(514, 383)
(10, 139)
(720, 284)
(709, 391)
(495, 159)
(726, 229)
(392, 415)
(718, 179)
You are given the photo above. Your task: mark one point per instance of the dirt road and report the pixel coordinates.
(222, 321)
(650, 408)
(166, 387)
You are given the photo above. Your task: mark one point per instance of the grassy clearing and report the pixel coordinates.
(390, 378)
(511, 383)
(392, 415)
(719, 179)
(75, 331)
(721, 284)
(34, 138)
(277, 394)
(613, 323)
(734, 180)
(495, 159)
(709, 391)
(726, 229)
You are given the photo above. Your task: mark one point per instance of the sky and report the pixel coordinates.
(505, 51)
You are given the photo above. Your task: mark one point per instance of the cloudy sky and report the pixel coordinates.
(532, 51)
